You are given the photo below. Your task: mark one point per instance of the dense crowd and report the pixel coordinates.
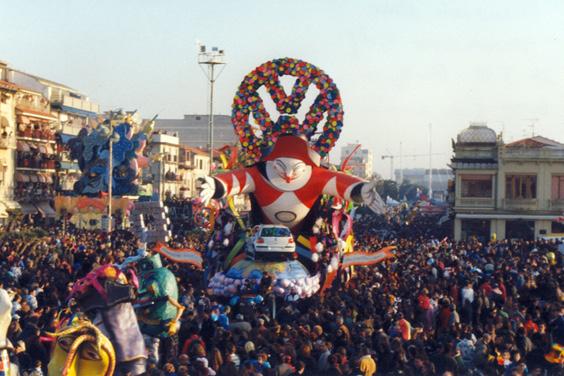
(438, 308)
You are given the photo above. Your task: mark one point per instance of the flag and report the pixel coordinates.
(181, 255)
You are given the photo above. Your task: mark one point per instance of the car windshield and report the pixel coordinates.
(275, 232)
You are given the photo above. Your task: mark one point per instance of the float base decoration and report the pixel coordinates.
(180, 255)
(246, 277)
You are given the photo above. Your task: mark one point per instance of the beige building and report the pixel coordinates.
(163, 150)
(361, 162)
(7, 143)
(511, 190)
(194, 163)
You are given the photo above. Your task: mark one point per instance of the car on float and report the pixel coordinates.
(268, 241)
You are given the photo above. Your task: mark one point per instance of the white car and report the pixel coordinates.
(273, 239)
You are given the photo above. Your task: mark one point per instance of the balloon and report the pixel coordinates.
(284, 283)
(315, 257)
(319, 247)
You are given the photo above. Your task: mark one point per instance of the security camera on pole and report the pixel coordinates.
(211, 59)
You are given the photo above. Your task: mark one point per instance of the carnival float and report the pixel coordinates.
(306, 203)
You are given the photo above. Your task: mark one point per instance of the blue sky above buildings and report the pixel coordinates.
(400, 65)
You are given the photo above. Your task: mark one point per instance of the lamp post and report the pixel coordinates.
(211, 59)
(113, 138)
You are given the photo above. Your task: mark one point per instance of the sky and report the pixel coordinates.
(399, 65)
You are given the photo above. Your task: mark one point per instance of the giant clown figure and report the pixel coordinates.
(285, 176)
(289, 181)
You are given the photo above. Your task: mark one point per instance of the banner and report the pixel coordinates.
(181, 255)
(367, 258)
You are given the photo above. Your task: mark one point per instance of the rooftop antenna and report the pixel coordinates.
(533, 125)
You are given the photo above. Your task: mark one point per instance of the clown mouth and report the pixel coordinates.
(285, 216)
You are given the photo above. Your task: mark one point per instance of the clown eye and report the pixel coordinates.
(89, 352)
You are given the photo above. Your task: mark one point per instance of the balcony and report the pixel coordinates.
(70, 103)
(520, 203)
(476, 202)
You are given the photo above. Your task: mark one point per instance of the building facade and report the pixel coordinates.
(361, 162)
(37, 114)
(163, 150)
(507, 191)
(194, 163)
(8, 92)
(193, 130)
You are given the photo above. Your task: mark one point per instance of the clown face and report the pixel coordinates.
(288, 174)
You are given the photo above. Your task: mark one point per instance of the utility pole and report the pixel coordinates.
(391, 158)
(401, 164)
(430, 162)
(211, 59)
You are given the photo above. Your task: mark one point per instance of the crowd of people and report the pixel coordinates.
(438, 308)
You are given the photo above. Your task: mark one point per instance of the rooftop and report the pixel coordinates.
(477, 133)
(535, 142)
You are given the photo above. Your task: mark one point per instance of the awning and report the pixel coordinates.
(22, 178)
(69, 166)
(22, 146)
(48, 178)
(41, 178)
(33, 178)
(46, 209)
(42, 149)
(28, 208)
(35, 114)
(79, 111)
(49, 149)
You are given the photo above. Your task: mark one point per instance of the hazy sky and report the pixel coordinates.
(400, 65)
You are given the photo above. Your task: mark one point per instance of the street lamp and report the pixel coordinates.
(114, 137)
(211, 59)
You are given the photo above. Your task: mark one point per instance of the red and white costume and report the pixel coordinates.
(289, 182)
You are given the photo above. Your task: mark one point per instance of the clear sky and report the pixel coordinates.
(400, 65)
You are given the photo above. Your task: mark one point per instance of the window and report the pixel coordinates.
(275, 232)
(477, 186)
(201, 164)
(557, 227)
(520, 229)
(475, 228)
(519, 187)
(558, 187)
